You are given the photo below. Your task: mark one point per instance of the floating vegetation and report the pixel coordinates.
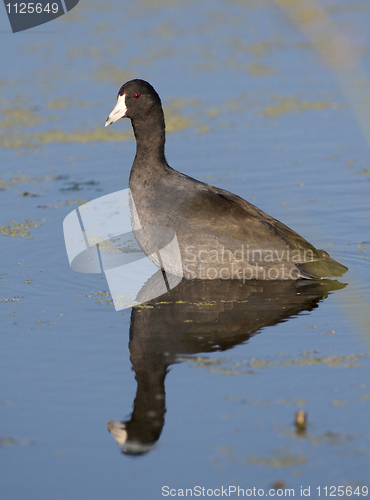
(285, 460)
(335, 438)
(249, 366)
(68, 203)
(103, 293)
(19, 118)
(16, 119)
(109, 73)
(339, 402)
(250, 4)
(255, 68)
(25, 178)
(293, 105)
(175, 121)
(19, 229)
(259, 48)
(76, 186)
(14, 140)
(263, 402)
(8, 441)
(108, 301)
(62, 103)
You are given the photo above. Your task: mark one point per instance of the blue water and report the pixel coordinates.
(65, 366)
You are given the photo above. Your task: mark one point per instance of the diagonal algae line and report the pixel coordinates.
(345, 63)
(337, 54)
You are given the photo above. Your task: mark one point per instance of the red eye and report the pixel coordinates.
(136, 96)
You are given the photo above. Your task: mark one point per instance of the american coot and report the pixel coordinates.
(220, 235)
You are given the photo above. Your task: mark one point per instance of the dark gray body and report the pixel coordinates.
(220, 235)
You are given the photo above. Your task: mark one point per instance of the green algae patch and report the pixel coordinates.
(336, 438)
(365, 172)
(175, 118)
(19, 229)
(6, 83)
(109, 302)
(175, 121)
(23, 178)
(101, 293)
(15, 123)
(339, 402)
(287, 105)
(55, 136)
(250, 4)
(105, 294)
(62, 103)
(349, 361)
(68, 203)
(9, 441)
(255, 68)
(19, 118)
(257, 49)
(285, 460)
(227, 366)
(109, 73)
(204, 304)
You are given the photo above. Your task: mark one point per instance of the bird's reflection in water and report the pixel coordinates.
(199, 316)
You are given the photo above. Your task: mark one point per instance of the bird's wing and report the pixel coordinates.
(223, 213)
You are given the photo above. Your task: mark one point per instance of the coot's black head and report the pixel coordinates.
(136, 99)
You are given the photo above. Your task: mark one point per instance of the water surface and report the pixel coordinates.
(252, 106)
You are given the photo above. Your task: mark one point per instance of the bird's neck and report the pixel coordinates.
(150, 138)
